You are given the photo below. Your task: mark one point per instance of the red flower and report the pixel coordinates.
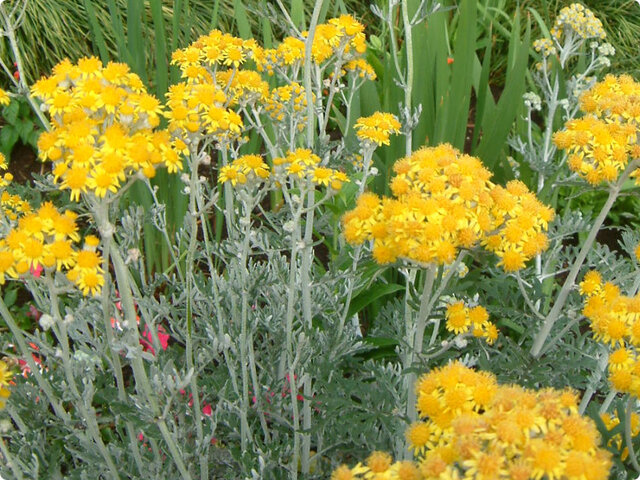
(147, 339)
(37, 271)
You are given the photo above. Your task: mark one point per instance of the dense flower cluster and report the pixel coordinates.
(520, 221)
(545, 47)
(103, 127)
(214, 80)
(359, 67)
(577, 20)
(210, 51)
(243, 87)
(197, 109)
(46, 239)
(343, 36)
(602, 143)
(444, 201)
(210, 105)
(375, 129)
(472, 428)
(247, 168)
(288, 102)
(461, 319)
(615, 321)
(5, 380)
(302, 164)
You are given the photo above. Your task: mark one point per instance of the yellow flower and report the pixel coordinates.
(376, 128)
(579, 20)
(379, 462)
(443, 201)
(477, 429)
(253, 165)
(601, 144)
(321, 176)
(419, 435)
(103, 121)
(5, 380)
(544, 46)
(231, 173)
(457, 318)
(5, 99)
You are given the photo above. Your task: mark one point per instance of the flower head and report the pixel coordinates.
(443, 202)
(473, 428)
(104, 127)
(604, 140)
(376, 129)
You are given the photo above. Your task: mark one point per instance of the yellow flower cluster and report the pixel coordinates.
(602, 143)
(474, 429)
(375, 129)
(203, 56)
(611, 422)
(444, 201)
(199, 108)
(545, 47)
(5, 99)
(247, 168)
(461, 319)
(359, 67)
(244, 87)
(615, 321)
(302, 164)
(343, 36)
(288, 102)
(5, 380)
(103, 127)
(47, 239)
(214, 80)
(520, 221)
(13, 205)
(578, 20)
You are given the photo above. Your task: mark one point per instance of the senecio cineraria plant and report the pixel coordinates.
(225, 358)
(599, 145)
(468, 428)
(228, 364)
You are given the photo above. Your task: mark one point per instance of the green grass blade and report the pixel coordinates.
(297, 13)
(175, 25)
(267, 32)
(242, 20)
(96, 32)
(214, 15)
(371, 294)
(135, 40)
(118, 31)
(456, 107)
(541, 23)
(162, 65)
(431, 74)
(483, 92)
(188, 21)
(510, 102)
